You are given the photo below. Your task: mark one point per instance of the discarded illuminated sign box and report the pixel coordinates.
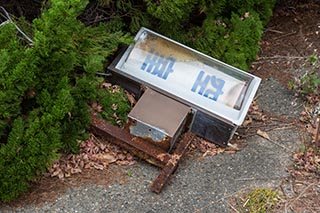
(219, 94)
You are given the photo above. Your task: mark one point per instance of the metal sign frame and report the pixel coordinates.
(218, 94)
(233, 115)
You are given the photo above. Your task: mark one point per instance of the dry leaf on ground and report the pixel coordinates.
(106, 85)
(263, 134)
(94, 154)
(131, 98)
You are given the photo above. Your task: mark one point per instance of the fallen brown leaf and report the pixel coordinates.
(114, 106)
(106, 85)
(247, 122)
(263, 134)
(109, 157)
(97, 107)
(131, 99)
(115, 89)
(94, 154)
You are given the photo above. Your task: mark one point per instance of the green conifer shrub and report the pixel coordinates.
(227, 30)
(46, 89)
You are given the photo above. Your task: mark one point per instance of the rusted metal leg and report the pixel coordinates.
(172, 164)
(124, 139)
(143, 149)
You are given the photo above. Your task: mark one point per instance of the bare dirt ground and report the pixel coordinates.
(291, 37)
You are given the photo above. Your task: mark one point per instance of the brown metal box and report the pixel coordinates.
(158, 119)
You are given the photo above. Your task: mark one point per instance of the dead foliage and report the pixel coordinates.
(94, 154)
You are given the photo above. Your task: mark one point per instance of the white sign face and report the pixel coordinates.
(187, 74)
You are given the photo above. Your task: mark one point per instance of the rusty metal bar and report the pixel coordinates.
(172, 164)
(135, 145)
(144, 149)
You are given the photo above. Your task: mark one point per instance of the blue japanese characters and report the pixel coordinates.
(208, 85)
(158, 65)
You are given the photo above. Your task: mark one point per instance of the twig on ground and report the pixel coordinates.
(266, 136)
(282, 36)
(251, 131)
(280, 145)
(258, 178)
(232, 207)
(301, 193)
(245, 203)
(281, 127)
(274, 31)
(281, 57)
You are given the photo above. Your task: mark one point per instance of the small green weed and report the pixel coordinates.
(129, 173)
(309, 83)
(260, 201)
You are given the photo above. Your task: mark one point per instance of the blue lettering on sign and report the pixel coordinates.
(202, 83)
(158, 65)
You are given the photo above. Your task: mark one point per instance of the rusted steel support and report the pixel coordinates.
(135, 145)
(172, 164)
(144, 149)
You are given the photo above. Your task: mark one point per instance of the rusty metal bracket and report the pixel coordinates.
(143, 149)
(172, 164)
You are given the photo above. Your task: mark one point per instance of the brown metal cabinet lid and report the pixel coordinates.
(160, 111)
